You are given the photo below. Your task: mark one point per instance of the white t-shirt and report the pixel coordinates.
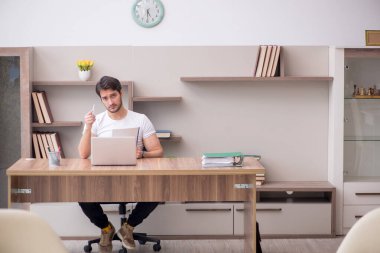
(104, 125)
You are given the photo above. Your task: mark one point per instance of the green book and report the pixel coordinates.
(221, 155)
(222, 159)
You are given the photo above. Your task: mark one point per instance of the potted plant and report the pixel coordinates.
(84, 67)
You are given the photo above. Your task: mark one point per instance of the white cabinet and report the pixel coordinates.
(361, 134)
(359, 199)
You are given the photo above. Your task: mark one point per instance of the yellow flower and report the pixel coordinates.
(85, 65)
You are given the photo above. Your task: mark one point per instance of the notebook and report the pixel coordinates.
(113, 150)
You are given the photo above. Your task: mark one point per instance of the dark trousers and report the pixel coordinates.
(258, 239)
(95, 213)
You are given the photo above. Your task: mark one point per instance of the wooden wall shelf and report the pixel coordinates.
(73, 83)
(173, 138)
(312, 186)
(194, 79)
(156, 99)
(58, 124)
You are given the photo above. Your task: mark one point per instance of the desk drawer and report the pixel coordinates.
(190, 219)
(361, 193)
(288, 218)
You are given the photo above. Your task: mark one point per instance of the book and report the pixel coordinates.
(276, 63)
(271, 61)
(45, 108)
(37, 108)
(37, 153)
(258, 183)
(260, 63)
(219, 155)
(41, 145)
(266, 61)
(226, 159)
(163, 133)
(50, 142)
(45, 143)
(57, 143)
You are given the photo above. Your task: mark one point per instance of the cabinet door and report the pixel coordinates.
(10, 123)
(351, 214)
(361, 115)
(189, 219)
(288, 218)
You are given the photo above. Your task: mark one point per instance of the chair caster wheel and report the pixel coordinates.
(123, 250)
(87, 248)
(157, 247)
(142, 242)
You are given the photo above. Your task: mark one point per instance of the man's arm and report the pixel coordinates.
(153, 146)
(84, 146)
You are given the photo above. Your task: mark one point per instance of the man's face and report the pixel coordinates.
(111, 99)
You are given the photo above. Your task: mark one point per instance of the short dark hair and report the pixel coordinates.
(107, 82)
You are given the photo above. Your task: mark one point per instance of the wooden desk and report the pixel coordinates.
(152, 179)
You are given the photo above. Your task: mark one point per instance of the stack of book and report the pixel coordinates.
(163, 134)
(260, 179)
(44, 142)
(268, 63)
(41, 107)
(222, 159)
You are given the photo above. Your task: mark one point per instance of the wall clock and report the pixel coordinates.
(148, 13)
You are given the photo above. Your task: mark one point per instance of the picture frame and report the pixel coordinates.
(372, 37)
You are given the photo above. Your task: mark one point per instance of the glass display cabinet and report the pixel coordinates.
(362, 115)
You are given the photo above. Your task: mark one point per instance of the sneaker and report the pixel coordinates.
(125, 233)
(105, 249)
(105, 244)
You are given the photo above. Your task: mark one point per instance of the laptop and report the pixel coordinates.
(113, 150)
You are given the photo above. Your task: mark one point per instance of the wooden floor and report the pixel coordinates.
(325, 245)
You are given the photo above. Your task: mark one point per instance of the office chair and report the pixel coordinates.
(23, 231)
(142, 238)
(363, 237)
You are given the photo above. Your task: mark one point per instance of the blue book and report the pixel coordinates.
(163, 133)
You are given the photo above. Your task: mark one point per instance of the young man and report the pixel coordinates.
(117, 117)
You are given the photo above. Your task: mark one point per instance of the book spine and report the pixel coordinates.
(37, 153)
(46, 112)
(37, 107)
(266, 61)
(41, 145)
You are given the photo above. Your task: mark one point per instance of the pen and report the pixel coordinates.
(93, 108)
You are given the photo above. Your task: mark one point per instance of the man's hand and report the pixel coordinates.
(89, 119)
(138, 153)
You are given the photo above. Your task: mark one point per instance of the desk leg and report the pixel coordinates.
(250, 218)
(9, 191)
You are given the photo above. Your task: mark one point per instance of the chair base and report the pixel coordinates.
(142, 238)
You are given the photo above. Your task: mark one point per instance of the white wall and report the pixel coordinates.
(195, 22)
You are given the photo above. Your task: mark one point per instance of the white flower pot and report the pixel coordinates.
(84, 75)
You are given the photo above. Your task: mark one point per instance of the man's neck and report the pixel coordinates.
(120, 114)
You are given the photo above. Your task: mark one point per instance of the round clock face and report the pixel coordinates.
(148, 13)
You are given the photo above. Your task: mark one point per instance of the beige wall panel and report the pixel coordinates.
(285, 122)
